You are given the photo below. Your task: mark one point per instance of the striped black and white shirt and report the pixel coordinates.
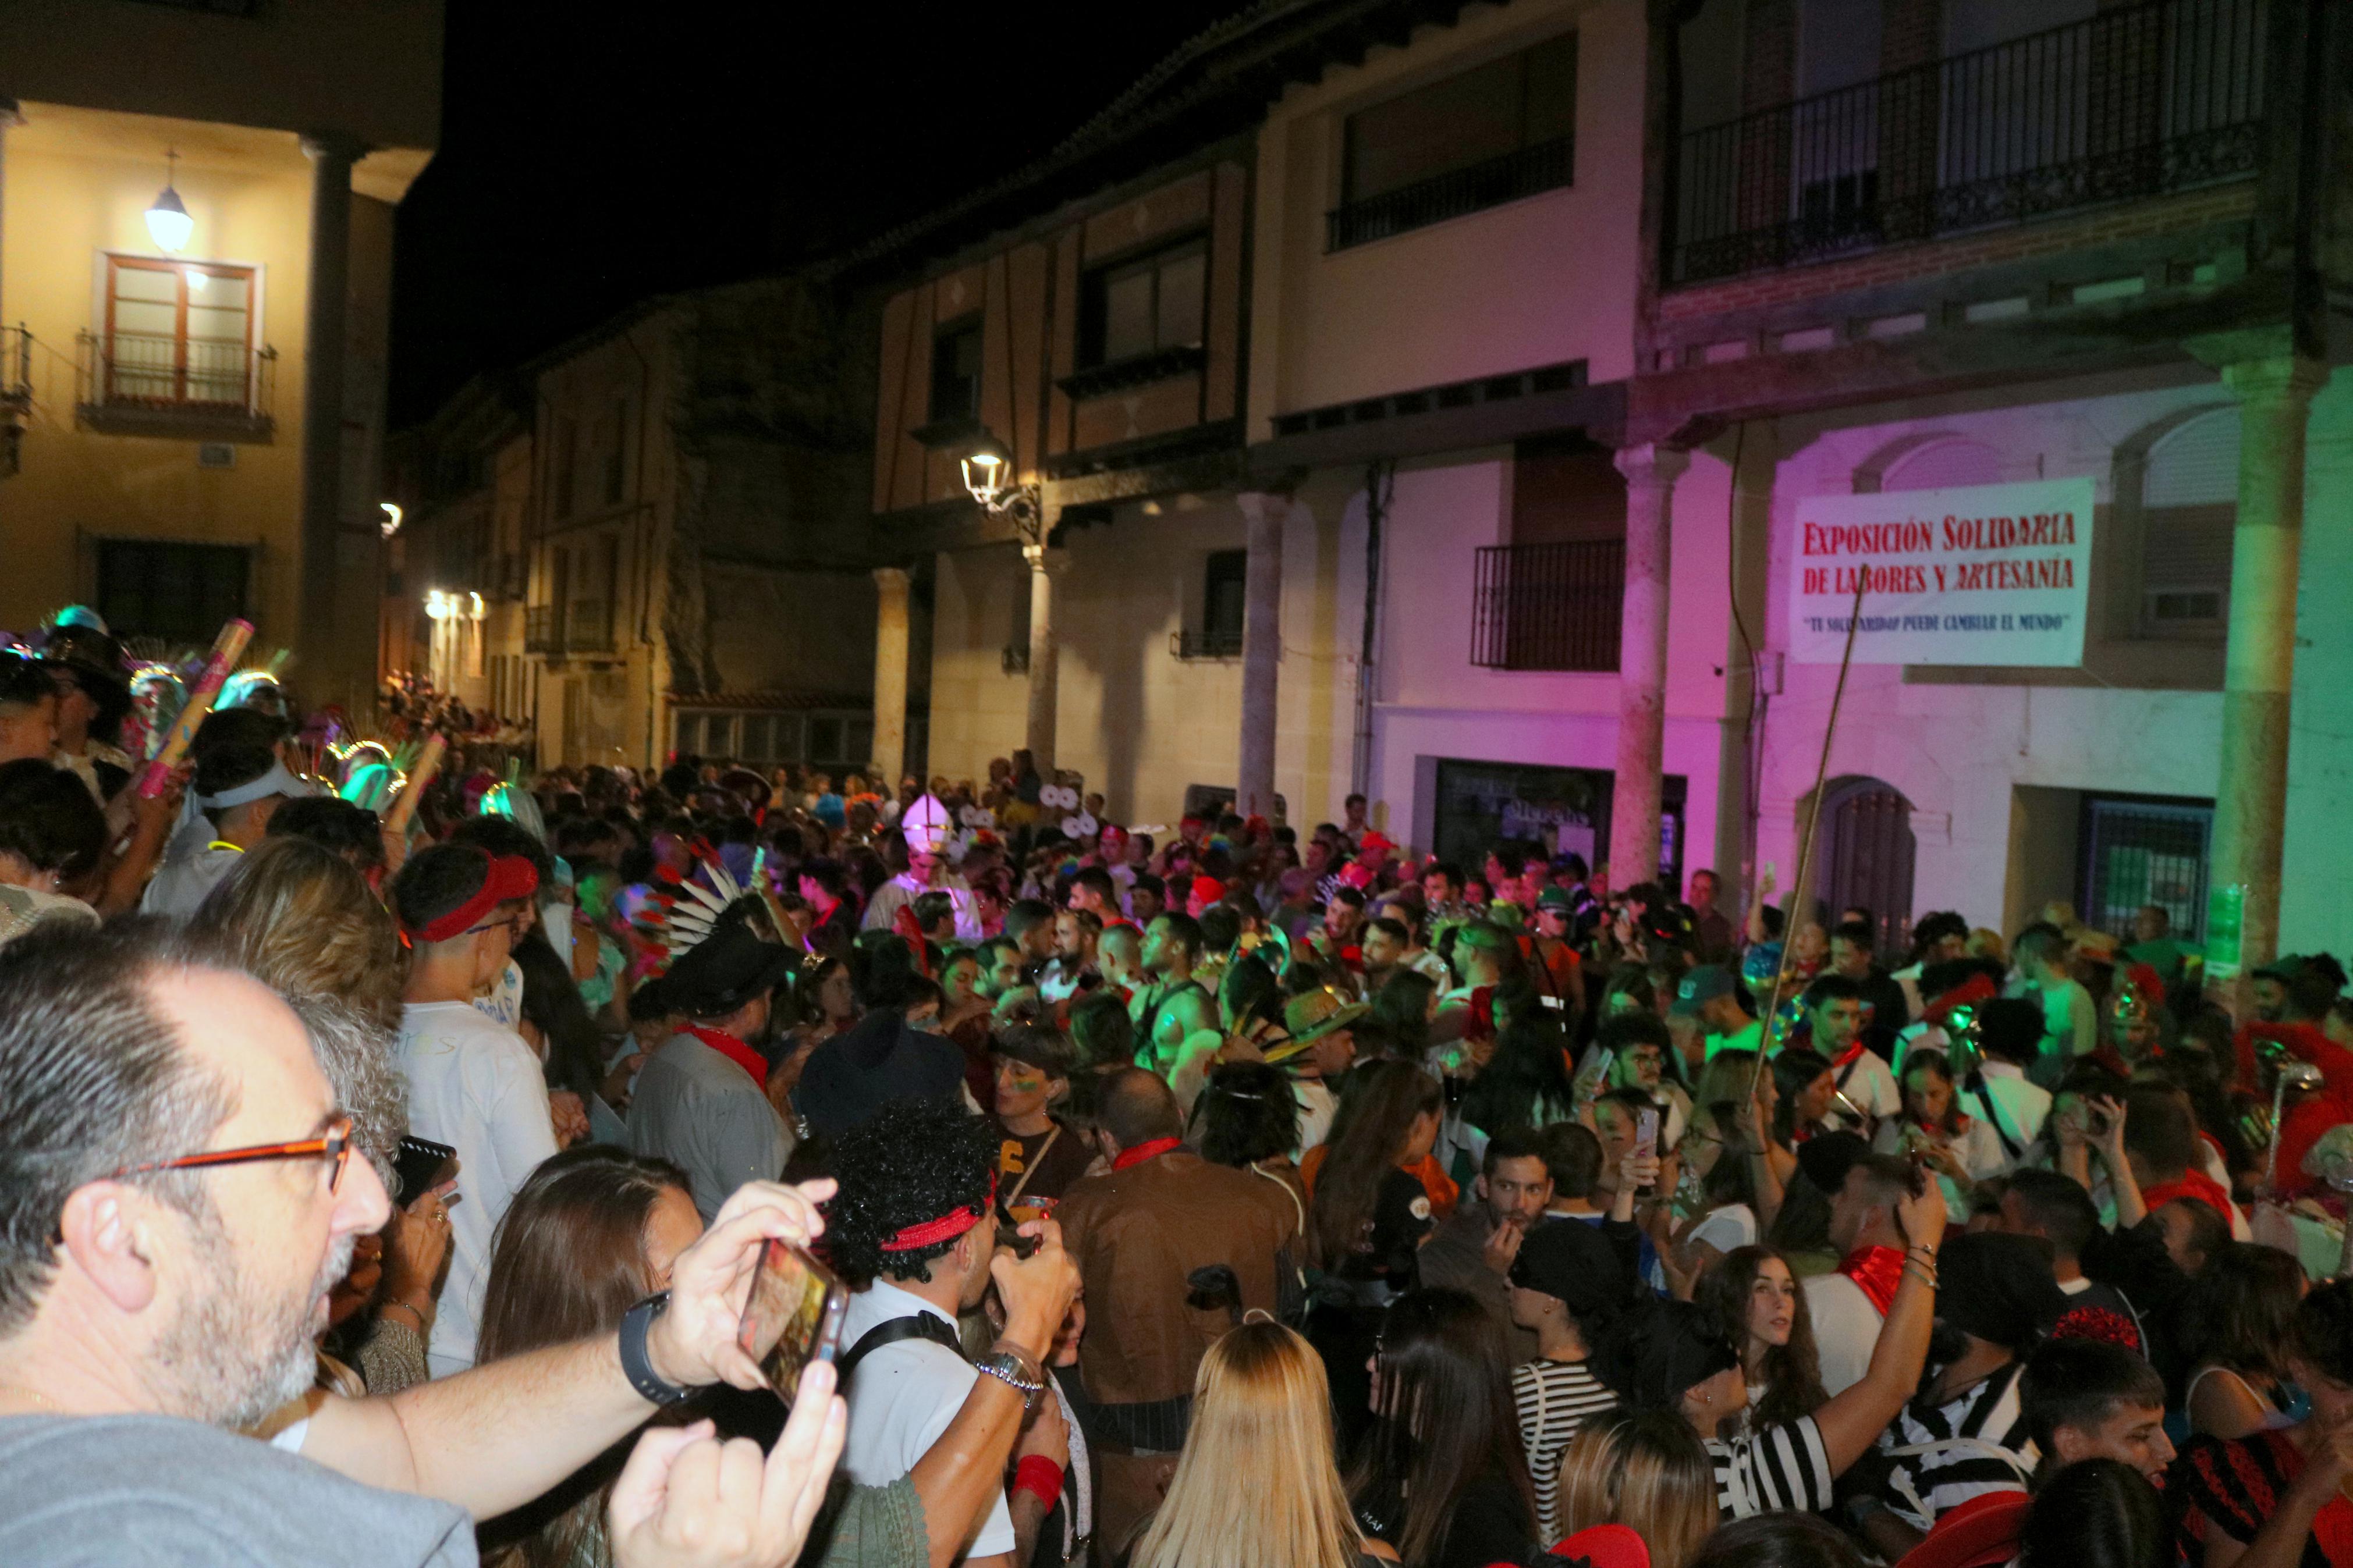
(1556, 1399)
(1783, 1466)
(1944, 1455)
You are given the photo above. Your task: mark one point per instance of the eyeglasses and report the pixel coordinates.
(334, 1147)
(517, 926)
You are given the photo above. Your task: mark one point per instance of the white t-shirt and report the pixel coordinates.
(1317, 1107)
(1867, 1081)
(476, 1088)
(901, 1397)
(1846, 1328)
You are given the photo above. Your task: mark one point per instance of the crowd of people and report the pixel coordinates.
(389, 1188)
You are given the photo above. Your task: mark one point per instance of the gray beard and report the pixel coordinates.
(234, 1355)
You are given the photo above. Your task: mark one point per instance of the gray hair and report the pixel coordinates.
(94, 1079)
(356, 1053)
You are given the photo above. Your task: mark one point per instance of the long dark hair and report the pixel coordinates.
(1793, 1373)
(1443, 1387)
(1804, 1222)
(1936, 1062)
(1731, 1179)
(2240, 1314)
(1367, 1136)
(1249, 994)
(1402, 1003)
(1528, 1069)
(1794, 1072)
(567, 1261)
(551, 1001)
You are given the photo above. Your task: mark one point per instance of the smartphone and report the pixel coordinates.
(793, 1316)
(417, 1166)
(1646, 1138)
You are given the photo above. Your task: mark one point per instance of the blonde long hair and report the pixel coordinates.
(304, 921)
(1645, 1470)
(1262, 1409)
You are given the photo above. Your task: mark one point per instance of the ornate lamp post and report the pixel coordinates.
(987, 471)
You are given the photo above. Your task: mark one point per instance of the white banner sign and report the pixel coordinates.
(1988, 575)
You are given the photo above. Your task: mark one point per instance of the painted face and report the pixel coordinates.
(1021, 1089)
(1773, 1303)
(961, 980)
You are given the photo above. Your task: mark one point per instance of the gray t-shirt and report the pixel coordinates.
(147, 1491)
(703, 1114)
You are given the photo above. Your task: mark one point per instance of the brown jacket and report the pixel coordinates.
(1138, 1234)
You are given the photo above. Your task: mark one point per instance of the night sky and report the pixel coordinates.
(588, 161)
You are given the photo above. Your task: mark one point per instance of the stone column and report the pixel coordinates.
(890, 676)
(1045, 565)
(324, 672)
(2259, 661)
(1262, 651)
(1650, 472)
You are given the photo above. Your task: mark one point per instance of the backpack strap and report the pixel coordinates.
(914, 1326)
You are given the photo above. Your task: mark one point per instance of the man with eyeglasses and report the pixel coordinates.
(473, 1083)
(177, 1197)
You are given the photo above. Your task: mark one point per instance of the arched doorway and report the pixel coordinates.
(1866, 856)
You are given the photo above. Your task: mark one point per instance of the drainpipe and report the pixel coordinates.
(1380, 487)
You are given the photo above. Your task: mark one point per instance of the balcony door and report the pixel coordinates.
(179, 334)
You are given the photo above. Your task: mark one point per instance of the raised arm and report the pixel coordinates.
(1852, 1421)
(494, 1438)
(963, 1471)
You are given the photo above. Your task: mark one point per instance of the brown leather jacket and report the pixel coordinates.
(1139, 1236)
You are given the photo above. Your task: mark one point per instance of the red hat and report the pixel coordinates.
(1976, 1534)
(1976, 988)
(1607, 1546)
(1377, 839)
(1208, 889)
(2143, 978)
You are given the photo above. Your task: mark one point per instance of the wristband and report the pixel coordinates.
(1040, 1475)
(635, 1365)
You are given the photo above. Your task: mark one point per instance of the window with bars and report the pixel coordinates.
(178, 334)
(2139, 850)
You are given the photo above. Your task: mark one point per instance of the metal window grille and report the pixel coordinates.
(1531, 171)
(2137, 100)
(1549, 606)
(2141, 852)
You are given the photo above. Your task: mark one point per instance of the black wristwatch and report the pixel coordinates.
(634, 1366)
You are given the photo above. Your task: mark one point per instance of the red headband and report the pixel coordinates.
(947, 1227)
(509, 877)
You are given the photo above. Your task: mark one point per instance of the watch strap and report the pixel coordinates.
(1010, 1370)
(635, 1364)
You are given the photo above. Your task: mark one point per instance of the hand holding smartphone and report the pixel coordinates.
(1646, 1137)
(793, 1316)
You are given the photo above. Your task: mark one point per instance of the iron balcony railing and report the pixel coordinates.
(160, 373)
(1549, 606)
(1209, 643)
(2136, 101)
(542, 629)
(16, 396)
(1545, 166)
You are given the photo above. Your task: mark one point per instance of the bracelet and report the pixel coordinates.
(1040, 1476)
(415, 1312)
(635, 1364)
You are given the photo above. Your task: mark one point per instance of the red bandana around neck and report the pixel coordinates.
(1142, 1152)
(1877, 1270)
(734, 1050)
(1849, 1057)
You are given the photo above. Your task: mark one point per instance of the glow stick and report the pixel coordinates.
(227, 649)
(429, 762)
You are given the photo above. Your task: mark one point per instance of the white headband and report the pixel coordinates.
(277, 781)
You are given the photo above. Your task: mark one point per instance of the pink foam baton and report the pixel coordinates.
(429, 762)
(228, 649)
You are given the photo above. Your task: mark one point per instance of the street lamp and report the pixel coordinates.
(986, 470)
(168, 221)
